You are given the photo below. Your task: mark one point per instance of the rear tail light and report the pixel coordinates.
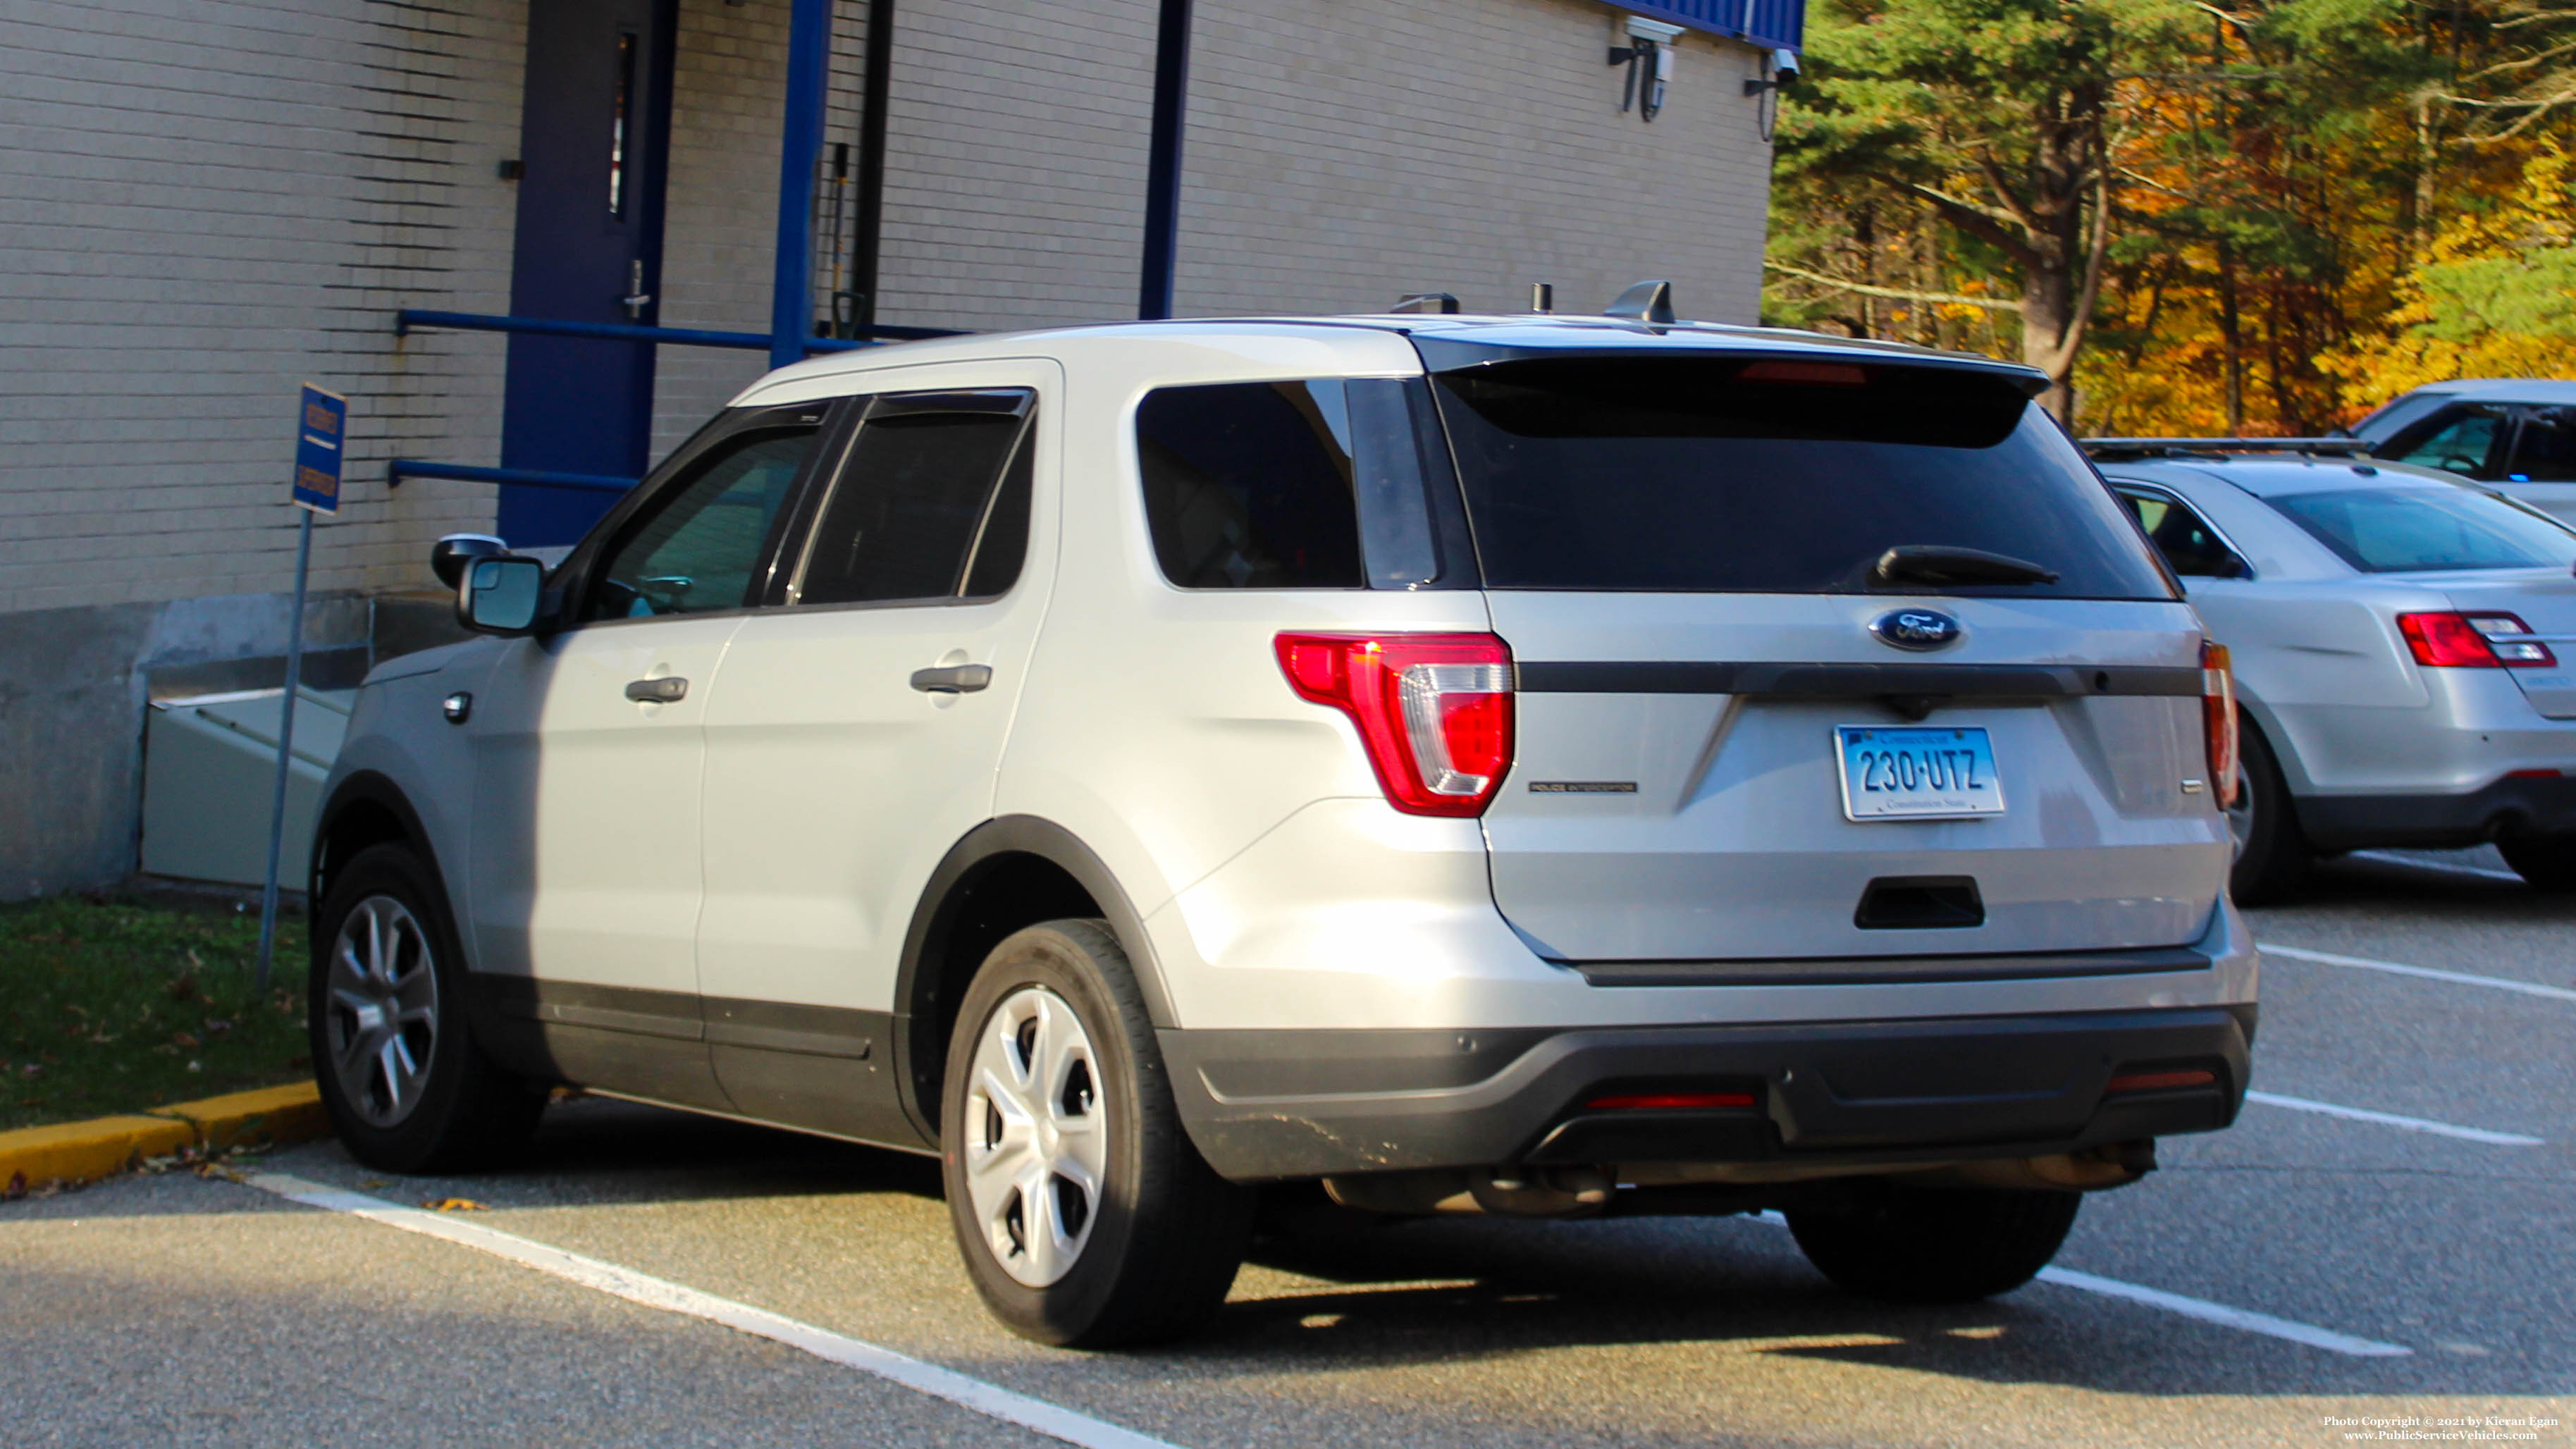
(1433, 710)
(2447, 641)
(2218, 721)
(2509, 637)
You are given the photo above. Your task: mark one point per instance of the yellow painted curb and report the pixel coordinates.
(79, 1151)
(74, 1152)
(292, 1113)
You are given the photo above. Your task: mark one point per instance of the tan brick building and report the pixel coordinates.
(205, 202)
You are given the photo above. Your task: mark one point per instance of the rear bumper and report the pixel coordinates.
(2507, 807)
(1314, 1103)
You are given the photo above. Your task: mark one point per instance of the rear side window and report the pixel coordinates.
(1249, 485)
(2192, 548)
(1723, 475)
(2544, 450)
(2417, 530)
(933, 503)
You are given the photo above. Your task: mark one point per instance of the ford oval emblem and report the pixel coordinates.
(1915, 629)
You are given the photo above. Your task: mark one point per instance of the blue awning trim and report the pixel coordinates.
(1770, 24)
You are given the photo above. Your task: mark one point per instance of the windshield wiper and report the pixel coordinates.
(1934, 563)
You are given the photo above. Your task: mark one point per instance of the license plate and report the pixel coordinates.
(1917, 773)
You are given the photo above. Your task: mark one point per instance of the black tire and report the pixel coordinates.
(2273, 856)
(1935, 1245)
(2546, 862)
(460, 1110)
(1164, 1233)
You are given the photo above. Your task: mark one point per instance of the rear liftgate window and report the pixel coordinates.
(1728, 475)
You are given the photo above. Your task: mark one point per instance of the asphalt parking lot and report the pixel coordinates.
(2383, 1247)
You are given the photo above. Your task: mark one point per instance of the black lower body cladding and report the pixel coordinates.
(1273, 1104)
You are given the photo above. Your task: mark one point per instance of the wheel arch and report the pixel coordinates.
(365, 809)
(1006, 874)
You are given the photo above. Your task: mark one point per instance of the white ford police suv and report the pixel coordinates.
(1532, 766)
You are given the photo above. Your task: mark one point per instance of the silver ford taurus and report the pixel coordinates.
(2397, 636)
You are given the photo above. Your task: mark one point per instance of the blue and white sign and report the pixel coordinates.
(321, 428)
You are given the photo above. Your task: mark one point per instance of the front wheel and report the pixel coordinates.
(2546, 862)
(1935, 1245)
(1085, 1216)
(405, 1085)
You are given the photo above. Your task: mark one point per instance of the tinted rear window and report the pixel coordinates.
(2411, 530)
(1249, 485)
(1722, 475)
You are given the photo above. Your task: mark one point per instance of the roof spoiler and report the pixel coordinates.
(2192, 447)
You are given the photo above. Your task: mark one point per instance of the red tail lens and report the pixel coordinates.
(1668, 1101)
(2161, 1081)
(2447, 641)
(2218, 721)
(1434, 710)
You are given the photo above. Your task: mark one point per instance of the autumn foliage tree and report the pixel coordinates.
(2195, 217)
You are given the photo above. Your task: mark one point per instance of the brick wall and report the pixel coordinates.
(204, 203)
(1342, 153)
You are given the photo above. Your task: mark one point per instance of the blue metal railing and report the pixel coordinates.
(410, 318)
(1771, 24)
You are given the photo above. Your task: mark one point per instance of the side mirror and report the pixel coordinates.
(500, 595)
(449, 556)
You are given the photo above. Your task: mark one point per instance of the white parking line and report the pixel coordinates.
(1051, 1420)
(2461, 978)
(2220, 1313)
(2206, 1311)
(2391, 1119)
(2444, 866)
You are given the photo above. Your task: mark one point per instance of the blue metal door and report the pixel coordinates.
(594, 128)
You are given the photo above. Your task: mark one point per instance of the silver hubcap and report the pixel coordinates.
(382, 1013)
(1037, 1136)
(2240, 814)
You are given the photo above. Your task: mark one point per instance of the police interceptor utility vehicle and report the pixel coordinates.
(1448, 764)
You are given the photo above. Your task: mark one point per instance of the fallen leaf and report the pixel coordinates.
(31, 1069)
(182, 1039)
(195, 1066)
(216, 1026)
(371, 1183)
(453, 1205)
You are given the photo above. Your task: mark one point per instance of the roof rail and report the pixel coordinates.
(2188, 447)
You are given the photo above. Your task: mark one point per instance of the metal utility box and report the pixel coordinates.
(209, 770)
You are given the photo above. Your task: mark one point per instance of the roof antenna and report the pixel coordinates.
(1542, 297)
(1428, 302)
(1647, 302)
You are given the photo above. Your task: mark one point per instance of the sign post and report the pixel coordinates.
(322, 425)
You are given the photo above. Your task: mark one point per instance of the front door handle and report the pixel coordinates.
(667, 690)
(955, 679)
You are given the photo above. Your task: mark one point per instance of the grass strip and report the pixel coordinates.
(122, 1001)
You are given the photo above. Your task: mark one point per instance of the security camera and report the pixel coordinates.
(1784, 72)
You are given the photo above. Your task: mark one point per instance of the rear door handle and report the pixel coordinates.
(955, 679)
(667, 690)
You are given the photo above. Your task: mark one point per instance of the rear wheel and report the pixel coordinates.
(1935, 1245)
(2272, 854)
(1084, 1214)
(406, 1088)
(2548, 862)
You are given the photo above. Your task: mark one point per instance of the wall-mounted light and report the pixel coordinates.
(1648, 55)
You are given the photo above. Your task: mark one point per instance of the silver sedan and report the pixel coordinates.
(2401, 642)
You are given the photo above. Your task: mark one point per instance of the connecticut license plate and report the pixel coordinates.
(1917, 773)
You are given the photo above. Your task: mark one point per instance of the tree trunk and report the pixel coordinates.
(2232, 337)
